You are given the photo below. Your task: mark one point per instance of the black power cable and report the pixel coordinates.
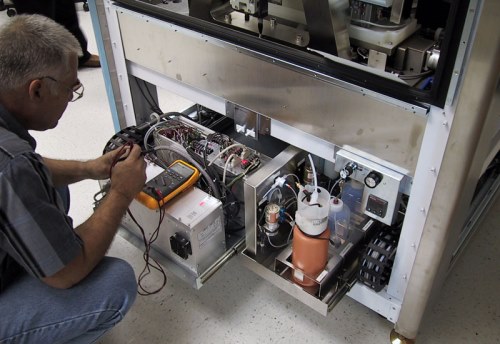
(152, 103)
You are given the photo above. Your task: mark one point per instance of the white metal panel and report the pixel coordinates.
(119, 59)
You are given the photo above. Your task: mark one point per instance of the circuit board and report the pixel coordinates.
(213, 148)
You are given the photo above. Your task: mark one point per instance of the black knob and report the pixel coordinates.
(373, 179)
(348, 170)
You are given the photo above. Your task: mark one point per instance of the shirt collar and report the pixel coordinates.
(10, 123)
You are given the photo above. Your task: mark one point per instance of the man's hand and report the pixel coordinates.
(99, 168)
(65, 172)
(129, 175)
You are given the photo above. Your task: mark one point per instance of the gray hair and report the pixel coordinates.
(32, 46)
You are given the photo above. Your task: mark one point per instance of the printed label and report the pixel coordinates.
(208, 233)
(368, 225)
(346, 249)
(321, 276)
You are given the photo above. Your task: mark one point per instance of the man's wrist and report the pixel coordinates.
(127, 198)
(89, 170)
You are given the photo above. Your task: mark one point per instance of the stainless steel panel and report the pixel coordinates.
(284, 285)
(246, 122)
(327, 24)
(397, 11)
(337, 277)
(337, 112)
(470, 136)
(196, 216)
(256, 185)
(390, 188)
(276, 27)
(494, 112)
(244, 78)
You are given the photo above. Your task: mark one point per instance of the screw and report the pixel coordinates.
(298, 39)
(273, 22)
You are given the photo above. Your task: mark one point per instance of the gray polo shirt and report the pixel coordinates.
(36, 235)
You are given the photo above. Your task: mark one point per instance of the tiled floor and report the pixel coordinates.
(237, 306)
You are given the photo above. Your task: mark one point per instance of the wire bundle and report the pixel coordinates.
(150, 262)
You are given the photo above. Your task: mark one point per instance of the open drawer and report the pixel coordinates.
(196, 232)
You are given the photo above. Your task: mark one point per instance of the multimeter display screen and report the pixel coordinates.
(181, 169)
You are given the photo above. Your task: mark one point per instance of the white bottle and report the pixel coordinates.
(339, 220)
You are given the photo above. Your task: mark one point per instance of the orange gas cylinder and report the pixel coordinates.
(309, 256)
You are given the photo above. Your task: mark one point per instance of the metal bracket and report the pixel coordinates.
(248, 122)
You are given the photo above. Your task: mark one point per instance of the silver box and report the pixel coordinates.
(389, 190)
(195, 215)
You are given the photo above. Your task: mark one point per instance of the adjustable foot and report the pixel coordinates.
(397, 338)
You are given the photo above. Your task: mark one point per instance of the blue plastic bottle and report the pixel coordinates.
(352, 194)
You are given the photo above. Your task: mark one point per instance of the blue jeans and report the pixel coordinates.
(32, 312)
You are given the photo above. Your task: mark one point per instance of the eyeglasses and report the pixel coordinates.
(76, 90)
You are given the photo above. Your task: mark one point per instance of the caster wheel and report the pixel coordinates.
(11, 12)
(86, 7)
(396, 338)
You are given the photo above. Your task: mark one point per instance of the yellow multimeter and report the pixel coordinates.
(169, 183)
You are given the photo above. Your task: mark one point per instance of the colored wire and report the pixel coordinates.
(151, 102)
(252, 166)
(294, 192)
(159, 112)
(150, 262)
(414, 76)
(269, 191)
(293, 175)
(270, 197)
(334, 185)
(226, 165)
(118, 155)
(287, 240)
(224, 151)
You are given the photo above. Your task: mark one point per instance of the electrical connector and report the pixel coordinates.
(245, 153)
(280, 181)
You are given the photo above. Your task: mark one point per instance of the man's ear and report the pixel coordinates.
(35, 89)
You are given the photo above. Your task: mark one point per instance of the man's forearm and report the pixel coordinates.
(97, 233)
(65, 172)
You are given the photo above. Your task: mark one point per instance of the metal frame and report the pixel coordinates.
(470, 131)
(327, 98)
(442, 177)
